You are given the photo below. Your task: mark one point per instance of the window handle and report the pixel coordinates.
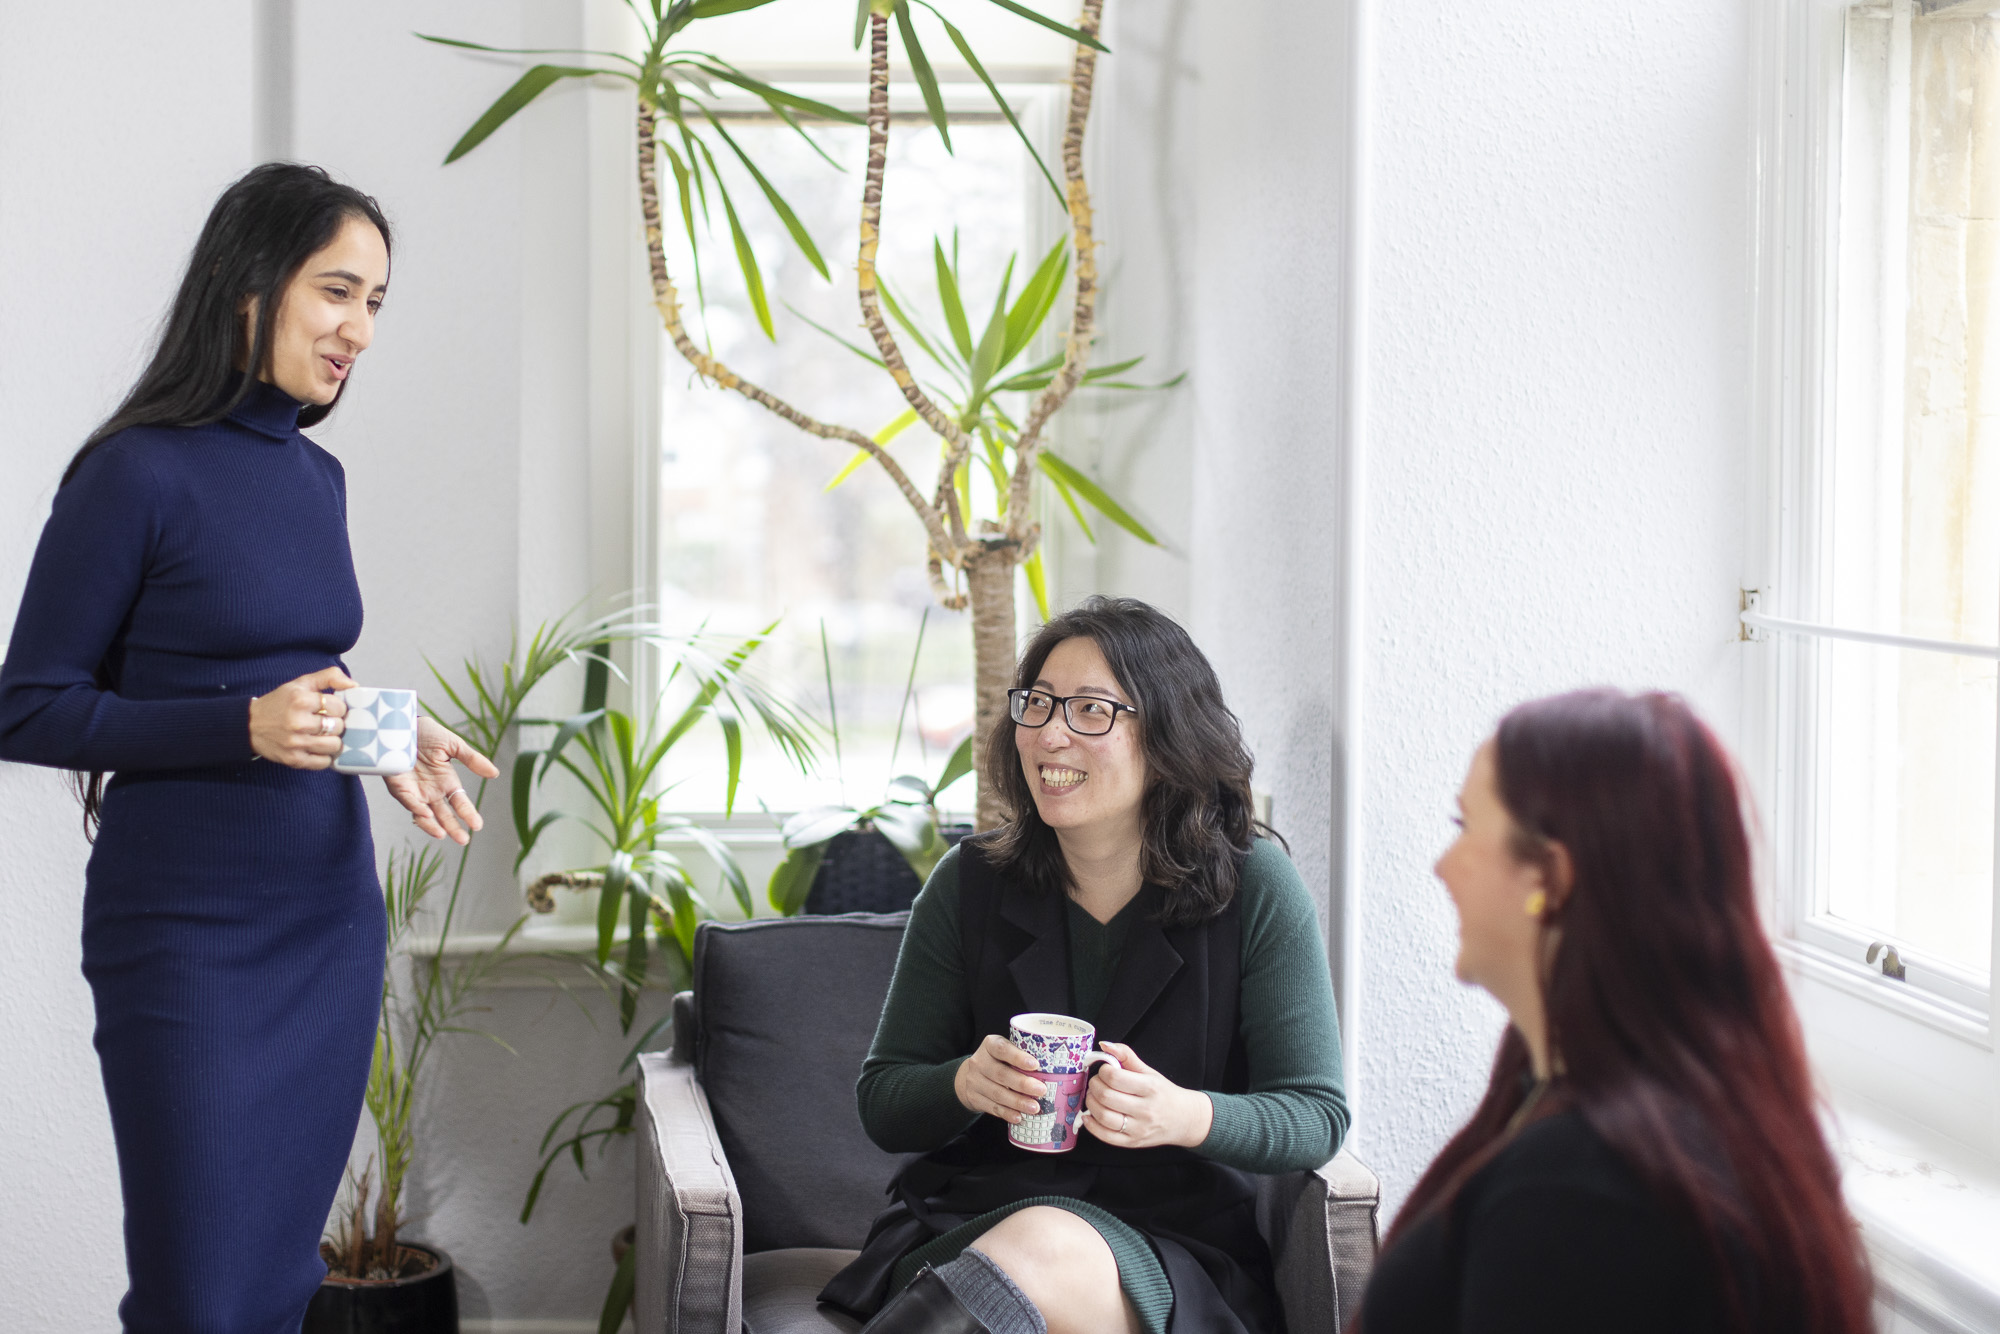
(1892, 962)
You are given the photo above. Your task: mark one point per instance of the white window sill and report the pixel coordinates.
(1930, 1215)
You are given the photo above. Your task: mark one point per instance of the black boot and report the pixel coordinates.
(927, 1306)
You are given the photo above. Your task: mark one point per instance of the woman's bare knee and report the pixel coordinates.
(1063, 1266)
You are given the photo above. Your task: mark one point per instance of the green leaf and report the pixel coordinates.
(524, 781)
(538, 80)
(855, 348)
(965, 50)
(909, 790)
(708, 9)
(920, 66)
(954, 308)
(800, 237)
(1037, 298)
(986, 357)
(1075, 511)
(1038, 583)
(597, 675)
(792, 880)
(730, 74)
(1057, 467)
(816, 825)
(955, 768)
(1074, 34)
(533, 51)
(732, 740)
(635, 961)
(617, 882)
(746, 259)
(911, 327)
(860, 22)
(572, 728)
(904, 825)
(882, 437)
(534, 834)
(725, 861)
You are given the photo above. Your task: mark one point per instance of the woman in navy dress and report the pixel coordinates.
(182, 627)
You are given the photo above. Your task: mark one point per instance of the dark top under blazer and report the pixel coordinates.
(1556, 1235)
(1174, 996)
(233, 923)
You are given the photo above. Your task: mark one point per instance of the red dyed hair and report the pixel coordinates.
(1666, 1008)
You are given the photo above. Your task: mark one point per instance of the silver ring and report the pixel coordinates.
(1124, 1121)
(327, 722)
(455, 792)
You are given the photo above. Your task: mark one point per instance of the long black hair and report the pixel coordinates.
(1199, 819)
(258, 236)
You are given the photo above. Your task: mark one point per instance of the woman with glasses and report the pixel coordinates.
(1130, 890)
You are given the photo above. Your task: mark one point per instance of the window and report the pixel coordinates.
(746, 528)
(1884, 597)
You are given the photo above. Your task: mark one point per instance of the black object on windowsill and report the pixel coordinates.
(863, 872)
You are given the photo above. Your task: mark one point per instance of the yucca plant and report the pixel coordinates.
(971, 557)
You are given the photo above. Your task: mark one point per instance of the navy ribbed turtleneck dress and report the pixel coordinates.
(232, 921)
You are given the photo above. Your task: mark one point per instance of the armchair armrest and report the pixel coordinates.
(1321, 1229)
(690, 1220)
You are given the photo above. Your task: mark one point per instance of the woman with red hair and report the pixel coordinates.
(1646, 1157)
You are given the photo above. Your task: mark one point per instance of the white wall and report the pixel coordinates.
(1555, 331)
(100, 199)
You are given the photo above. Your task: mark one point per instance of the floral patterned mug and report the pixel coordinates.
(1061, 1047)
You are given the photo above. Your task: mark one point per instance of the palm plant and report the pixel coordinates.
(618, 762)
(971, 557)
(423, 1000)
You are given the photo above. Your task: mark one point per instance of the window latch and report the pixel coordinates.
(1892, 962)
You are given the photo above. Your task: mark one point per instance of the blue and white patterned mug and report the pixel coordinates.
(381, 731)
(1061, 1048)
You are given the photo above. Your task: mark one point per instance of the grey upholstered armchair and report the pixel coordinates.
(756, 1183)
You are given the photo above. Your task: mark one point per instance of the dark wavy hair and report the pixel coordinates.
(1199, 817)
(1677, 1040)
(258, 236)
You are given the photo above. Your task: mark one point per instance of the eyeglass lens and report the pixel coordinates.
(1082, 713)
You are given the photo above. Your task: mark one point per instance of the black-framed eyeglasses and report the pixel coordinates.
(1086, 715)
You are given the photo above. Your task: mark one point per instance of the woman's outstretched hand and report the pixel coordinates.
(1139, 1108)
(990, 1081)
(431, 790)
(298, 725)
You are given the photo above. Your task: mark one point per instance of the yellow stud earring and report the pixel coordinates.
(1537, 904)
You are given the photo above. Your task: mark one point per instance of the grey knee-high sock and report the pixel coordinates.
(989, 1294)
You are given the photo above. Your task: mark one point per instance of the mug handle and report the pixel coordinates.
(1095, 1056)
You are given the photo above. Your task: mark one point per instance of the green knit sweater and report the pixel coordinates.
(1295, 1114)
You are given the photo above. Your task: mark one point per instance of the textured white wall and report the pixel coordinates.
(1552, 452)
(1559, 365)
(100, 198)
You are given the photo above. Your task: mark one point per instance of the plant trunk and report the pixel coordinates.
(989, 577)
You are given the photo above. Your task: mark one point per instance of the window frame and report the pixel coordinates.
(1920, 1052)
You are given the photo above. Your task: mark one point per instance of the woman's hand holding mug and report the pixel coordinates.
(1134, 1106)
(991, 1081)
(298, 724)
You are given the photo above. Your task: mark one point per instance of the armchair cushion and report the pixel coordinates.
(784, 1011)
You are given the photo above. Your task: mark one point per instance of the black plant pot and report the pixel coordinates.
(425, 1303)
(863, 872)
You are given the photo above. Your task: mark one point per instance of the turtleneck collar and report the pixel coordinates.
(267, 410)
